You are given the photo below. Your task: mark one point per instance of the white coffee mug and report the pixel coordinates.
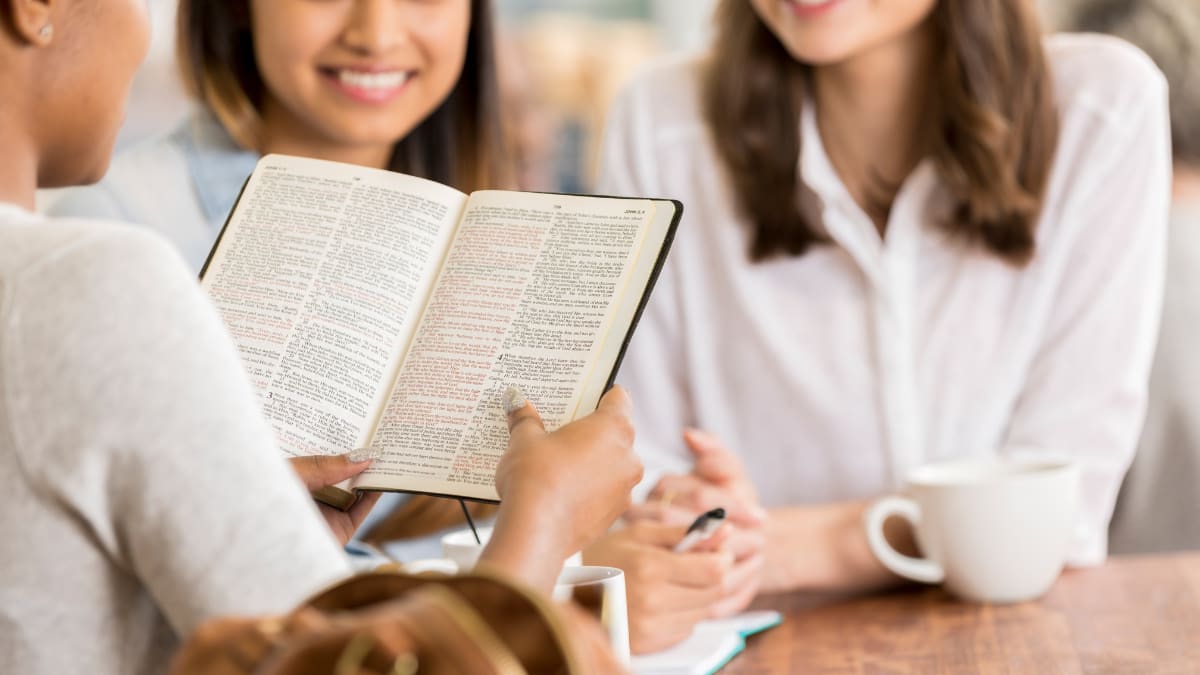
(991, 530)
(461, 548)
(601, 592)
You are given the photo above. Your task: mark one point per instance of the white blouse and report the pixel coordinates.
(835, 373)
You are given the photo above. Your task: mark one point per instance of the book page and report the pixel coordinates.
(320, 275)
(527, 296)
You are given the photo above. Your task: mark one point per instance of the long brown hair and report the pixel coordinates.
(460, 144)
(993, 144)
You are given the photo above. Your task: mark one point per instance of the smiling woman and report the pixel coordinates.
(406, 85)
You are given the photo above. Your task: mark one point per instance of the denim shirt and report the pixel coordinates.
(182, 186)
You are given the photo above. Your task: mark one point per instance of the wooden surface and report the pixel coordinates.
(1132, 615)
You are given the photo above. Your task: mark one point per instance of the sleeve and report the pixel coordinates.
(1086, 390)
(655, 367)
(149, 434)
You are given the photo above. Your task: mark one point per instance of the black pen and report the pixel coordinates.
(705, 526)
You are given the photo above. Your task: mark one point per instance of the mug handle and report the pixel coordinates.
(917, 569)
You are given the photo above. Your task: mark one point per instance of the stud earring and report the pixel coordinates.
(46, 32)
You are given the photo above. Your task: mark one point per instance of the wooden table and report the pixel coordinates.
(1132, 615)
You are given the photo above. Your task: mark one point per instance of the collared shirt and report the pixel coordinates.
(835, 373)
(183, 186)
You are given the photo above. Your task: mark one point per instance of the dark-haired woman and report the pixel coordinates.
(917, 230)
(408, 86)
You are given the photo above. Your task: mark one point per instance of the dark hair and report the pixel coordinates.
(460, 143)
(1169, 32)
(993, 143)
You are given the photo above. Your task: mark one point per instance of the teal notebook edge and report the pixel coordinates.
(742, 643)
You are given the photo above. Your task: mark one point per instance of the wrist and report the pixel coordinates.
(836, 556)
(527, 541)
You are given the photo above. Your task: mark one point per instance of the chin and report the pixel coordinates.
(818, 53)
(79, 174)
(78, 163)
(92, 175)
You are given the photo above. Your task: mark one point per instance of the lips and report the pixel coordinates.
(811, 8)
(368, 85)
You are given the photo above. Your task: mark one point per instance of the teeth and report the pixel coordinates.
(388, 80)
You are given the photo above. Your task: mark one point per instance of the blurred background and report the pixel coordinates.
(562, 62)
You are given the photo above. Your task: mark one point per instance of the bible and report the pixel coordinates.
(375, 309)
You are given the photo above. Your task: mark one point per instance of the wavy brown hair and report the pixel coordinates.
(460, 143)
(993, 141)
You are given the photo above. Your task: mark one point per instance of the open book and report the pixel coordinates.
(711, 646)
(374, 309)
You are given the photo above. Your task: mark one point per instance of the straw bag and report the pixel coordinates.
(395, 624)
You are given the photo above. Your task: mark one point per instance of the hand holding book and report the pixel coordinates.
(563, 489)
(319, 472)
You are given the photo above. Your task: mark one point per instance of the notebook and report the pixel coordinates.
(712, 645)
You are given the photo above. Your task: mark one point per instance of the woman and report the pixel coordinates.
(917, 230)
(408, 86)
(145, 492)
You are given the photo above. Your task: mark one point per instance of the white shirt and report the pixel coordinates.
(143, 490)
(835, 373)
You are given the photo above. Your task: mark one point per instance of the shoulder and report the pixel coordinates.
(63, 265)
(662, 102)
(1103, 76)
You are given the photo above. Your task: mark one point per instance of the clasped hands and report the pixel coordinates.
(670, 592)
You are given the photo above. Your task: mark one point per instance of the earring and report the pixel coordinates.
(46, 32)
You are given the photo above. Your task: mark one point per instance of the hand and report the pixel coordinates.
(319, 471)
(668, 592)
(718, 478)
(560, 491)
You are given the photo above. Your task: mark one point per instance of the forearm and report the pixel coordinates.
(523, 546)
(824, 547)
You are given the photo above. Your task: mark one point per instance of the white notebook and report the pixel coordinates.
(712, 645)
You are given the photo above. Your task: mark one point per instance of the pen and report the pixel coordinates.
(705, 526)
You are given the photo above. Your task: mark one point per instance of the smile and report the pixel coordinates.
(811, 8)
(368, 86)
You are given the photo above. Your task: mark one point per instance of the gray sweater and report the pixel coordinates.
(143, 490)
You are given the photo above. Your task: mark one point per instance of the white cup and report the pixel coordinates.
(601, 592)
(992, 530)
(461, 548)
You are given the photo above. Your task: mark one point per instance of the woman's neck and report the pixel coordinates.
(872, 112)
(286, 135)
(18, 171)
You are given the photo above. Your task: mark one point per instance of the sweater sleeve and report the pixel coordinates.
(133, 414)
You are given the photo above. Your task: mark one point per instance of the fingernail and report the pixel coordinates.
(364, 455)
(512, 400)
